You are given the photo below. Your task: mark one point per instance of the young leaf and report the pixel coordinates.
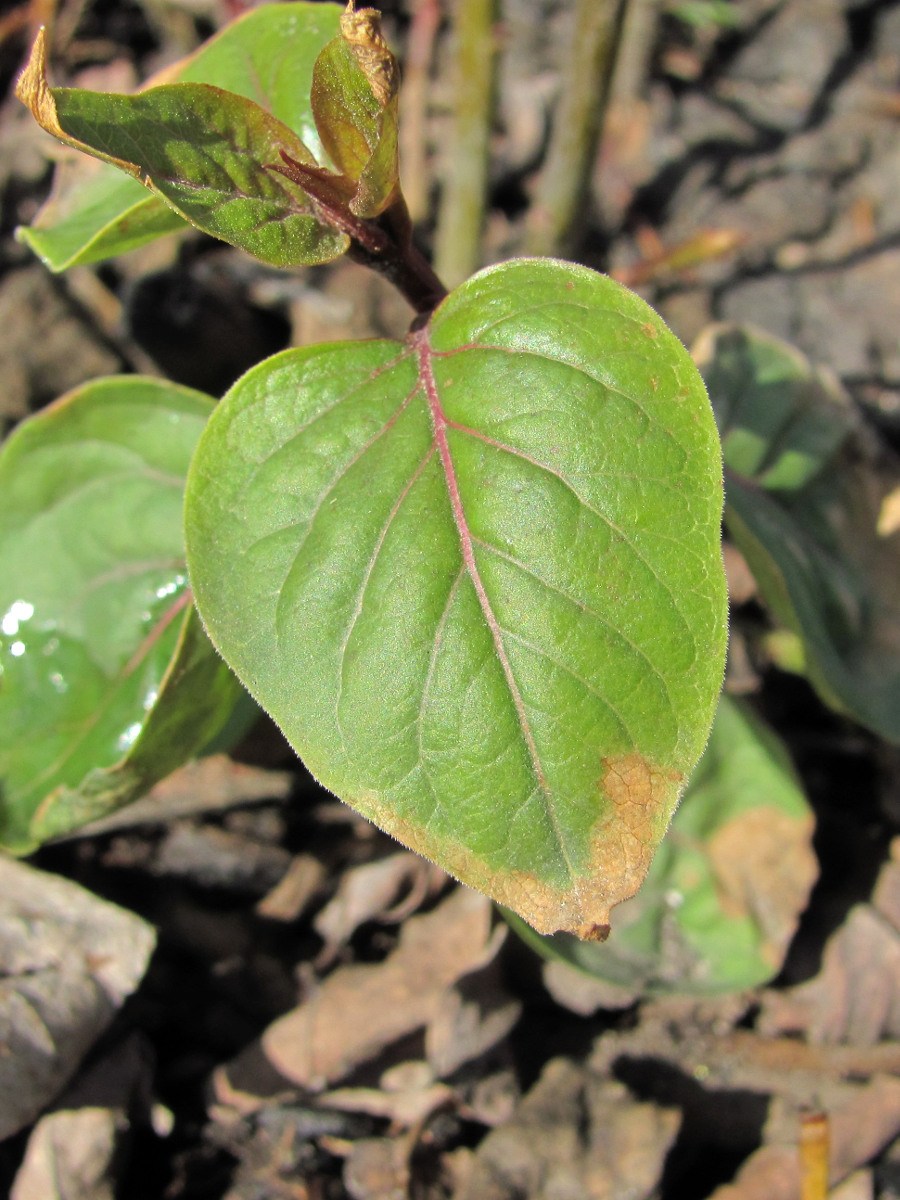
(805, 489)
(266, 55)
(354, 101)
(723, 896)
(476, 578)
(95, 616)
(207, 152)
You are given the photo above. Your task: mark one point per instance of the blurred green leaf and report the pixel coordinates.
(706, 14)
(476, 578)
(93, 212)
(267, 55)
(96, 622)
(805, 483)
(723, 896)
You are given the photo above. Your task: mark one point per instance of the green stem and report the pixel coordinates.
(556, 216)
(461, 217)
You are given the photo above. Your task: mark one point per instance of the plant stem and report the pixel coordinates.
(426, 17)
(383, 243)
(388, 248)
(562, 191)
(461, 217)
(637, 35)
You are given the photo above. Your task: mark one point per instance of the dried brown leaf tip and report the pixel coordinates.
(32, 88)
(361, 30)
(36, 94)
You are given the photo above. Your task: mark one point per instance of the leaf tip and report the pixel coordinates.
(361, 30)
(34, 91)
(592, 933)
(36, 94)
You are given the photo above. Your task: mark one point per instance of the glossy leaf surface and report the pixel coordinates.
(805, 486)
(267, 55)
(476, 578)
(95, 615)
(723, 896)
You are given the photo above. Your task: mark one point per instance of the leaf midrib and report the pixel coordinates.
(440, 422)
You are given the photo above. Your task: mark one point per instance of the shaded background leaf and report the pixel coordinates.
(95, 605)
(806, 484)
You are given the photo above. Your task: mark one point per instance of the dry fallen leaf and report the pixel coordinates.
(575, 1134)
(378, 1169)
(407, 1096)
(360, 1009)
(208, 785)
(290, 897)
(472, 1016)
(70, 1156)
(67, 961)
(859, 1130)
(855, 998)
(367, 892)
(584, 994)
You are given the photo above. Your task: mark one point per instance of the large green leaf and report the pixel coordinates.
(805, 487)
(723, 896)
(266, 55)
(102, 664)
(476, 578)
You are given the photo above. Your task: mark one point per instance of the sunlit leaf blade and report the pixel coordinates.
(723, 896)
(94, 605)
(354, 100)
(805, 487)
(266, 55)
(207, 153)
(476, 578)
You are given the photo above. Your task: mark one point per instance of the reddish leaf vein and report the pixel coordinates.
(440, 422)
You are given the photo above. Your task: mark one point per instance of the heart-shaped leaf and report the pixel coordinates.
(806, 484)
(476, 578)
(96, 631)
(724, 894)
(206, 151)
(266, 55)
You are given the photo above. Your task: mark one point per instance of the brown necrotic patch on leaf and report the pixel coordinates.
(765, 868)
(36, 94)
(639, 798)
(362, 32)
